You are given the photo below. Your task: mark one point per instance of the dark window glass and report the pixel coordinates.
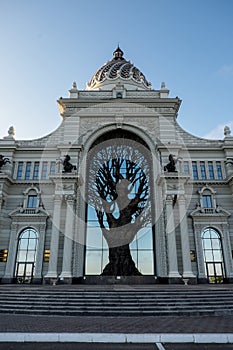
(52, 168)
(195, 173)
(32, 201)
(186, 168)
(219, 170)
(36, 171)
(211, 170)
(28, 171)
(20, 171)
(203, 171)
(207, 201)
(44, 170)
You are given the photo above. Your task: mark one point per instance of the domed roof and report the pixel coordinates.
(118, 70)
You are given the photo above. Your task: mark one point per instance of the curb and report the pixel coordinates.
(218, 338)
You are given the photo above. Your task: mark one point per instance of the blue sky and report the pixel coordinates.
(46, 45)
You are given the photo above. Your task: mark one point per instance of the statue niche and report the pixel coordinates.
(171, 166)
(67, 166)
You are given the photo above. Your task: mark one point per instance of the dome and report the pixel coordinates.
(118, 70)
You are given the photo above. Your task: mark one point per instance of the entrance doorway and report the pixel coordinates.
(213, 255)
(26, 256)
(24, 272)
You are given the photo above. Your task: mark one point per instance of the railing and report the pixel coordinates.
(30, 211)
(209, 210)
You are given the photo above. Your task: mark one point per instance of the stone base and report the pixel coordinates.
(50, 280)
(65, 280)
(202, 280)
(37, 281)
(7, 280)
(134, 280)
(189, 281)
(228, 280)
(175, 280)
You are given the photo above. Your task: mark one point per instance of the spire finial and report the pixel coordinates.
(118, 53)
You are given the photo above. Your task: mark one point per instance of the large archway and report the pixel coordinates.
(119, 225)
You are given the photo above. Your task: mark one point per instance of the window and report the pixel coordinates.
(211, 170)
(26, 256)
(20, 171)
(213, 255)
(207, 201)
(100, 251)
(28, 171)
(219, 170)
(52, 168)
(203, 171)
(36, 171)
(44, 170)
(32, 201)
(195, 173)
(186, 168)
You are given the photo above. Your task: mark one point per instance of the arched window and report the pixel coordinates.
(213, 255)
(26, 256)
(31, 200)
(119, 234)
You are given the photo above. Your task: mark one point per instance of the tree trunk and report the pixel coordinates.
(120, 263)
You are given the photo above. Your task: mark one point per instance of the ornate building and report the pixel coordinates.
(65, 198)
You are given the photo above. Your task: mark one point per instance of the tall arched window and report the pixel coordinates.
(26, 256)
(119, 235)
(213, 255)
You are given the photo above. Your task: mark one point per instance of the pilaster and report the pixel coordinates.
(171, 240)
(52, 270)
(187, 268)
(68, 240)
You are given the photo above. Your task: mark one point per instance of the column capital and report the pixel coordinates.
(169, 198)
(181, 197)
(58, 197)
(69, 197)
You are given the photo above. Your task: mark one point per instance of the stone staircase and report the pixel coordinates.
(122, 301)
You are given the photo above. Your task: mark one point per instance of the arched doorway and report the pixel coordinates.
(213, 255)
(26, 256)
(119, 226)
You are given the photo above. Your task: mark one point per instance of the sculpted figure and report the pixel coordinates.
(171, 166)
(67, 166)
(3, 160)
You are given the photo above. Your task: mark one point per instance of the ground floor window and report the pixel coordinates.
(213, 255)
(26, 256)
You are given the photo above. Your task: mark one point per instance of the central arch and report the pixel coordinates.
(119, 225)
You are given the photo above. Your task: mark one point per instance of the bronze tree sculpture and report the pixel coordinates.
(118, 189)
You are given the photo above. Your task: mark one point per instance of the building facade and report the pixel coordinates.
(50, 230)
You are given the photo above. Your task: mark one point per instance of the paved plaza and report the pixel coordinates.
(22, 331)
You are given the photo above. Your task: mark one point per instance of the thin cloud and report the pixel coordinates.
(226, 71)
(218, 132)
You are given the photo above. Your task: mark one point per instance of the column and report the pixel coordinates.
(52, 270)
(171, 240)
(187, 267)
(68, 239)
(12, 251)
(40, 251)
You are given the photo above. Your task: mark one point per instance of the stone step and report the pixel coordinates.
(75, 302)
(62, 301)
(112, 313)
